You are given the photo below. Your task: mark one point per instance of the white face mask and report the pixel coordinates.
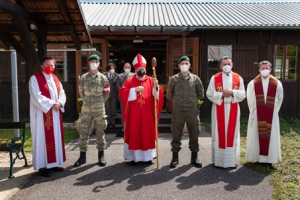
(227, 68)
(94, 66)
(265, 72)
(127, 70)
(112, 71)
(184, 68)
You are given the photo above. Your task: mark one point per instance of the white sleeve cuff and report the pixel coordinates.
(234, 96)
(218, 98)
(132, 95)
(157, 93)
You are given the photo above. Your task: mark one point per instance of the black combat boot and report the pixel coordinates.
(81, 160)
(175, 160)
(195, 161)
(101, 160)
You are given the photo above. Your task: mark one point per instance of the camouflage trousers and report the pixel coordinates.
(84, 123)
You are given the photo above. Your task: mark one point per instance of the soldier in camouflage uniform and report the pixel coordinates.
(94, 90)
(184, 90)
(123, 77)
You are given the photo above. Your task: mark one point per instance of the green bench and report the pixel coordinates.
(16, 146)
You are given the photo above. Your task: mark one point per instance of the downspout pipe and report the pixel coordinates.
(14, 88)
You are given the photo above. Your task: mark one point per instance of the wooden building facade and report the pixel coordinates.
(204, 45)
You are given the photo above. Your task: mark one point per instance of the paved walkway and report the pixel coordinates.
(122, 180)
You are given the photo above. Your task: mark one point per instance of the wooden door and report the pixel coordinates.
(245, 63)
(175, 51)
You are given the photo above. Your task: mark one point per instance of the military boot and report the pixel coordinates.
(81, 160)
(175, 160)
(101, 160)
(195, 161)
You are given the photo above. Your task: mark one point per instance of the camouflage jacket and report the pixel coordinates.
(91, 90)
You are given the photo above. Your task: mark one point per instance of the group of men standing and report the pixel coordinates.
(138, 94)
(264, 95)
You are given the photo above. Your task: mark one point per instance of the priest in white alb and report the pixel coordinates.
(226, 90)
(264, 96)
(47, 99)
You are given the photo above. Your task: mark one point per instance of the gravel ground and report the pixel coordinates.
(4, 158)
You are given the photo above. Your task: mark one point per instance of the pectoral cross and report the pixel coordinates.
(141, 100)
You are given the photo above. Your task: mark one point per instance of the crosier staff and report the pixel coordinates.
(155, 107)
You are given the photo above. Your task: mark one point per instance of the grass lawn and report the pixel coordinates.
(69, 134)
(286, 181)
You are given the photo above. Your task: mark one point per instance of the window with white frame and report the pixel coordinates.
(285, 62)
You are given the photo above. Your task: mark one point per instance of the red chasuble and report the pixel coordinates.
(221, 112)
(48, 118)
(265, 112)
(138, 115)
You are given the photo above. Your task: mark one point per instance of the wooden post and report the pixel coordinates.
(78, 63)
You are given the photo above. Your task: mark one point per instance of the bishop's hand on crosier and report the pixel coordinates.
(155, 81)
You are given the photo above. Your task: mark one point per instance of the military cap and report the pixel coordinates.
(183, 58)
(94, 57)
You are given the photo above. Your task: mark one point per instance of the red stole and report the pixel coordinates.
(265, 112)
(221, 112)
(48, 118)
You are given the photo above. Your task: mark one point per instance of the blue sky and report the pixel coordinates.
(190, 1)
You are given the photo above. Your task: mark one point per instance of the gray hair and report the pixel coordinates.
(264, 62)
(224, 58)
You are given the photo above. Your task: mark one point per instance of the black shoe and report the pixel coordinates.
(120, 134)
(269, 166)
(149, 162)
(175, 160)
(132, 162)
(81, 160)
(101, 160)
(195, 161)
(57, 169)
(44, 172)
